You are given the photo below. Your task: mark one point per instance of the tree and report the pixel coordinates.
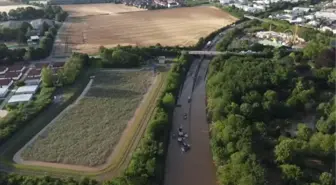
(291, 173)
(332, 78)
(168, 100)
(304, 132)
(293, 56)
(47, 77)
(288, 149)
(326, 179)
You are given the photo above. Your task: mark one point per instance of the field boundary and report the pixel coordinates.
(132, 140)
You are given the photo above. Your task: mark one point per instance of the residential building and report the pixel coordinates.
(34, 73)
(3, 70)
(4, 87)
(11, 75)
(17, 68)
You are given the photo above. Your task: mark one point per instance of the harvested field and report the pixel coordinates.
(94, 26)
(87, 134)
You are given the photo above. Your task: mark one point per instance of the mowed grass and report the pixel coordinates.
(87, 133)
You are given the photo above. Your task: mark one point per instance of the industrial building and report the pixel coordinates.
(21, 98)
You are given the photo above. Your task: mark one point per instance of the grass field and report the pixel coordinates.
(93, 25)
(87, 133)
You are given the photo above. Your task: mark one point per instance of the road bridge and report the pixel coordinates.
(214, 53)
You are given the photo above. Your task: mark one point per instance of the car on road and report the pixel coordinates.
(189, 99)
(185, 116)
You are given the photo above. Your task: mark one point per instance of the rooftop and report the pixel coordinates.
(28, 88)
(5, 82)
(16, 67)
(57, 64)
(11, 75)
(34, 72)
(20, 98)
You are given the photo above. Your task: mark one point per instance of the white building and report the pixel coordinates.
(3, 91)
(172, 4)
(20, 98)
(29, 89)
(33, 81)
(162, 59)
(224, 1)
(326, 15)
(330, 28)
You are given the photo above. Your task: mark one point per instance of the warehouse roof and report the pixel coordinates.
(27, 88)
(20, 98)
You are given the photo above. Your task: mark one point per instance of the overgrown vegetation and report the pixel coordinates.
(87, 133)
(21, 114)
(26, 180)
(147, 164)
(256, 105)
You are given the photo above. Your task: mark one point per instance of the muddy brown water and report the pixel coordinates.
(194, 167)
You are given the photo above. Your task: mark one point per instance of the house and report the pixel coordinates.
(162, 59)
(37, 24)
(224, 1)
(34, 73)
(33, 39)
(40, 66)
(20, 98)
(6, 82)
(27, 89)
(3, 70)
(57, 65)
(11, 75)
(17, 68)
(326, 15)
(173, 4)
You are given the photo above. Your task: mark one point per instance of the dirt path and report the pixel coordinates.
(111, 160)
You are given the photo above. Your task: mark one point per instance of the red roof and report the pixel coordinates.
(34, 72)
(15, 67)
(4, 82)
(57, 64)
(3, 68)
(41, 65)
(10, 74)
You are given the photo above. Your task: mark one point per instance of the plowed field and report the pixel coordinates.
(91, 26)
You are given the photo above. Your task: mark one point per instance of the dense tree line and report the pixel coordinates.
(29, 13)
(147, 164)
(253, 103)
(45, 45)
(26, 180)
(129, 57)
(19, 115)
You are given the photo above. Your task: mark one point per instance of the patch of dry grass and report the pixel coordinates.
(87, 133)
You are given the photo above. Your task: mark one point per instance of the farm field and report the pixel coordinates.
(86, 134)
(91, 26)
